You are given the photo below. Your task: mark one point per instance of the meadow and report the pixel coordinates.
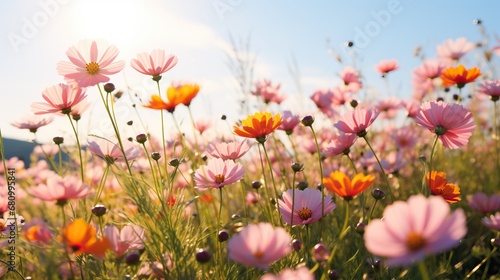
(363, 187)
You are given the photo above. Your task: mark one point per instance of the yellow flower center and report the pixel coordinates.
(304, 213)
(415, 241)
(219, 178)
(92, 68)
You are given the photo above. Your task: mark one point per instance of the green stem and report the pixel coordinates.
(495, 135)
(78, 148)
(371, 211)
(423, 271)
(391, 194)
(162, 130)
(66, 247)
(320, 172)
(346, 218)
(266, 189)
(272, 176)
(352, 163)
(293, 200)
(100, 189)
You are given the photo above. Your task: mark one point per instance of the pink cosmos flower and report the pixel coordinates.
(130, 238)
(60, 189)
(389, 107)
(110, 152)
(228, 151)
(61, 99)
(301, 273)
(290, 121)
(386, 66)
(404, 137)
(412, 107)
(451, 122)
(485, 204)
(340, 145)
(154, 63)
(91, 63)
(323, 99)
(341, 96)
(33, 122)
(48, 150)
(454, 49)
(492, 222)
(269, 92)
(202, 125)
(350, 76)
(357, 121)
(217, 174)
(392, 163)
(307, 206)
(259, 245)
(411, 230)
(491, 88)
(79, 109)
(429, 69)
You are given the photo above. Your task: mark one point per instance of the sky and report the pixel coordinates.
(295, 43)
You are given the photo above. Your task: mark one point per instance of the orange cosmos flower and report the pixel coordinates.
(339, 183)
(459, 76)
(81, 238)
(184, 93)
(158, 104)
(438, 185)
(258, 126)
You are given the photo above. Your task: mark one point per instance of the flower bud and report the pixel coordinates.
(333, 274)
(320, 252)
(58, 140)
(202, 256)
(302, 185)
(99, 210)
(155, 156)
(297, 167)
(378, 194)
(296, 245)
(109, 87)
(307, 120)
(256, 185)
(132, 258)
(360, 228)
(141, 138)
(174, 162)
(223, 235)
(354, 103)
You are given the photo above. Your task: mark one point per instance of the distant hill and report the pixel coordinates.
(18, 148)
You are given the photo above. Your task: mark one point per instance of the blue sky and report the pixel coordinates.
(35, 37)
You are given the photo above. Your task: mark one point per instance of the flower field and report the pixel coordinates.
(361, 187)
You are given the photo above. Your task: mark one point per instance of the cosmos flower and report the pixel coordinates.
(452, 123)
(459, 76)
(411, 230)
(491, 88)
(111, 152)
(290, 121)
(258, 126)
(81, 238)
(154, 63)
(341, 144)
(91, 63)
(492, 222)
(307, 206)
(438, 185)
(129, 238)
(301, 273)
(228, 151)
(269, 92)
(338, 182)
(37, 231)
(60, 189)
(357, 121)
(218, 173)
(484, 204)
(350, 77)
(182, 92)
(60, 99)
(389, 107)
(259, 245)
(386, 66)
(453, 50)
(33, 122)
